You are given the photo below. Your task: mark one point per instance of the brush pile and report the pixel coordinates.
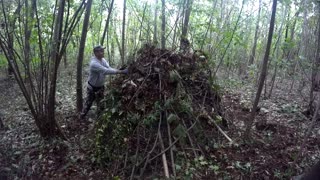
(160, 116)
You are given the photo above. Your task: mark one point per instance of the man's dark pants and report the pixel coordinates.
(93, 93)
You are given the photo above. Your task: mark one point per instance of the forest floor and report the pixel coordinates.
(25, 155)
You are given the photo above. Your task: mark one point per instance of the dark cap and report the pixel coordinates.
(98, 48)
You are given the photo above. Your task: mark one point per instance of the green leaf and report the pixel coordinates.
(172, 118)
(179, 131)
(201, 158)
(214, 167)
(174, 76)
(203, 162)
(178, 167)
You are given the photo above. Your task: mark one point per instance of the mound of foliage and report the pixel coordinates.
(159, 116)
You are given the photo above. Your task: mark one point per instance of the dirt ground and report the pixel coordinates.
(25, 155)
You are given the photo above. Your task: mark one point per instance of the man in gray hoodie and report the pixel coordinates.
(98, 70)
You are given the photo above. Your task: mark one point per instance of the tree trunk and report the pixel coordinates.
(107, 21)
(315, 84)
(229, 43)
(163, 24)
(209, 26)
(1, 123)
(81, 54)
(184, 43)
(11, 37)
(289, 53)
(48, 127)
(123, 32)
(276, 48)
(10, 70)
(273, 79)
(255, 40)
(175, 27)
(263, 72)
(140, 30)
(155, 26)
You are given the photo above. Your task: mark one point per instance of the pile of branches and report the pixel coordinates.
(159, 115)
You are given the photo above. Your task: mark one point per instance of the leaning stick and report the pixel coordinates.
(218, 127)
(164, 158)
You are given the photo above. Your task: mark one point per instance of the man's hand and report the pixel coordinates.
(125, 71)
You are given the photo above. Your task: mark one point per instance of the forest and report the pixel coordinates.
(199, 89)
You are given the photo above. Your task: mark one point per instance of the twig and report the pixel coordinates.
(171, 151)
(146, 159)
(136, 156)
(173, 143)
(204, 99)
(126, 159)
(164, 158)
(218, 127)
(190, 139)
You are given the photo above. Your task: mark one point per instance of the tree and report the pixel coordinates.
(255, 39)
(80, 56)
(184, 38)
(231, 38)
(107, 22)
(155, 26)
(123, 51)
(10, 25)
(39, 86)
(163, 24)
(263, 71)
(315, 75)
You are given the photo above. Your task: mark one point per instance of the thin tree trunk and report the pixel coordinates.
(289, 55)
(209, 26)
(81, 54)
(10, 70)
(263, 72)
(315, 84)
(276, 49)
(175, 28)
(185, 27)
(140, 29)
(255, 40)
(107, 22)
(273, 79)
(155, 24)
(233, 32)
(123, 32)
(163, 24)
(49, 126)
(11, 25)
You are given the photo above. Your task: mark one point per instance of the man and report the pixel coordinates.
(98, 70)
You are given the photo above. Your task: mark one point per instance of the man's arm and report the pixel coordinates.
(97, 67)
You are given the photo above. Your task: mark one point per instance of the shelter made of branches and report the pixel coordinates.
(165, 106)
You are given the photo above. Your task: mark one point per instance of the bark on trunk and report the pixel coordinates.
(255, 40)
(263, 72)
(48, 127)
(81, 54)
(123, 32)
(155, 26)
(315, 85)
(184, 43)
(163, 25)
(107, 22)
